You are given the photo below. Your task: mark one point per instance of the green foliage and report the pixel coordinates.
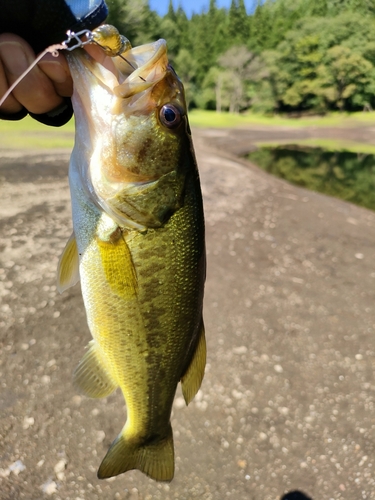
(345, 78)
(216, 90)
(238, 23)
(134, 19)
(325, 64)
(302, 55)
(186, 68)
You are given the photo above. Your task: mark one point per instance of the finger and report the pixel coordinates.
(57, 70)
(96, 52)
(35, 92)
(99, 55)
(10, 105)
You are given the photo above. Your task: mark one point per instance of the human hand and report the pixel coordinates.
(42, 89)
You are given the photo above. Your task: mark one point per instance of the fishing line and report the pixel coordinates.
(54, 50)
(130, 64)
(117, 55)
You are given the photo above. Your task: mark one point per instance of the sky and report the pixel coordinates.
(191, 6)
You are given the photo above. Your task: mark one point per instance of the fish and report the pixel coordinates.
(138, 248)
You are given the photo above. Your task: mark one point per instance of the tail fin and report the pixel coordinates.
(155, 459)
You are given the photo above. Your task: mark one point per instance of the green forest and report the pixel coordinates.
(289, 56)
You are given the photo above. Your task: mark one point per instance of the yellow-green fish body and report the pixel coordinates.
(139, 239)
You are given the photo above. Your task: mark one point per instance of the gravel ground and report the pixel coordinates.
(287, 403)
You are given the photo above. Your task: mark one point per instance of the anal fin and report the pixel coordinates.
(68, 266)
(91, 375)
(192, 378)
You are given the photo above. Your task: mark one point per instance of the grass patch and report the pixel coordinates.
(329, 145)
(30, 134)
(204, 118)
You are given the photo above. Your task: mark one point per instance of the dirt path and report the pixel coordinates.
(288, 398)
(240, 141)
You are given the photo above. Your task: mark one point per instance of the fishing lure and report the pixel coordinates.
(106, 36)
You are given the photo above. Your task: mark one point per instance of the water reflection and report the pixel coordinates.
(345, 175)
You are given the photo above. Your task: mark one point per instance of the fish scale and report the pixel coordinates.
(138, 248)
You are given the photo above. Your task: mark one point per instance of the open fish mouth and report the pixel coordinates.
(124, 109)
(149, 64)
(124, 76)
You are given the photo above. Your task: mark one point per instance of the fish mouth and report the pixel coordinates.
(149, 64)
(125, 76)
(120, 140)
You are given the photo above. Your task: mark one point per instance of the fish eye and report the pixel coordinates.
(170, 115)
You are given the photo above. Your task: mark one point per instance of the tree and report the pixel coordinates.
(170, 31)
(345, 77)
(214, 92)
(306, 67)
(304, 55)
(134, 19)
(186, 68)
(237, 62)
(261, 27)
(238, 24)
(302, 62)
(318, 8)
(217, 30)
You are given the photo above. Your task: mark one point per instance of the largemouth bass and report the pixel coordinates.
(137, 247)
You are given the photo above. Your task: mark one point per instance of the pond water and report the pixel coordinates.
(345, 175)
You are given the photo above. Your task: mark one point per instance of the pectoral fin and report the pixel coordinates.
(68, 266)
(118, 265)
(91, 375)
(192, 378)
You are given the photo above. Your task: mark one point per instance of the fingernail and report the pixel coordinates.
(13, 57)
(54, 70)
